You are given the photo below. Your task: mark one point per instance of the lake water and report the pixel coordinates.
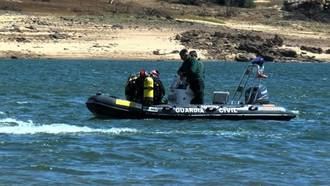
(48, 137)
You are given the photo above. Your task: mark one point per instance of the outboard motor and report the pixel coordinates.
(180, 93)
(257, 95)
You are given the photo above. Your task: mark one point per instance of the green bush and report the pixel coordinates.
(237, 3)
(189, 2)
(247, 3)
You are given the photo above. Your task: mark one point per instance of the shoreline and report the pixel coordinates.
(24, 36)
(110, 60)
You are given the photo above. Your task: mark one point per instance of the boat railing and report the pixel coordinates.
(248, 79)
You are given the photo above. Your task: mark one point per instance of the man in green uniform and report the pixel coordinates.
(193, 70)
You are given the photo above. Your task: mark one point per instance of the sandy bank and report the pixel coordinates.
(25, 36)
(52, 37)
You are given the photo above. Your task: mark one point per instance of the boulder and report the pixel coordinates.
(288, 53)
(312, 49)
(156, 52)
(244, 57)
(57, 35)
(22, 39)
(268, 57)
(277, 41)
(117, 26)
(219, 34)
(249, 47)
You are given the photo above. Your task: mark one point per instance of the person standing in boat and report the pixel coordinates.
(193, 54)
(259, 61)
(134, 86)
(193, 70)
(258, 94)
(145, 88)
(159, 90)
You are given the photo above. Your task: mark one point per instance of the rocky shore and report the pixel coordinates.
(152, 30)
(245, 45)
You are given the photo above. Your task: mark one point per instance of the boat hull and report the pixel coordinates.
(111, 107)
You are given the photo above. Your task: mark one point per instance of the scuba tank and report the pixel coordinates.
(148, 91)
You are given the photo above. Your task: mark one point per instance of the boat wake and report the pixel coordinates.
(14, 126)
(231, 134)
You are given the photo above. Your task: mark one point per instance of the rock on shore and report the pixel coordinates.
(242, 45)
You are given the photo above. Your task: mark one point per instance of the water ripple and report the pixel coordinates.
(48, 137)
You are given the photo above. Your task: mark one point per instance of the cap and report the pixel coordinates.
(155, 72)
(258, 60)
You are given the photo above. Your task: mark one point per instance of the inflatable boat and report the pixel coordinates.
(105, 106)
(249, 101)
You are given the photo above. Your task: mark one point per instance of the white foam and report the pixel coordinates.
(296, 112)
(22, 102)
(213, 133)
(12, 121)
(21, 127)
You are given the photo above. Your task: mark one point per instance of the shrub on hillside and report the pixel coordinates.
(238, 3)
(189, 2)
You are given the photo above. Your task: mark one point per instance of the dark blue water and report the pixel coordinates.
(48, 137)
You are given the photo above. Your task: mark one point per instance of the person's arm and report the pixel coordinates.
(162, 88)
(179, 72)
(185, 68)
(260, 74)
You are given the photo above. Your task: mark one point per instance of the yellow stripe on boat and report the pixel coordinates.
(123, 102)
(126, 103)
